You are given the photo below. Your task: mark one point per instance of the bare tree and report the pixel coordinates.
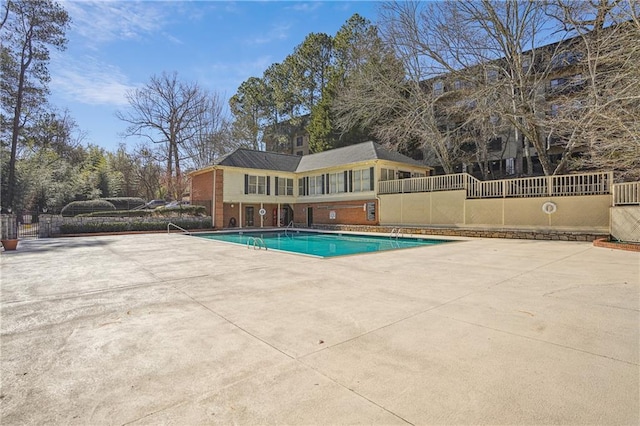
(212, 137)
(597, 113)
(169, 112)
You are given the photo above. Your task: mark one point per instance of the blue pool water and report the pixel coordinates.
(321, 244)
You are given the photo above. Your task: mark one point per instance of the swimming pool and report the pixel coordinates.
(320, 244)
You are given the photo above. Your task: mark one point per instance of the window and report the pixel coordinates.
(495, 144)
(299, 153)
(284, 186)
(336, 183)
(301, 188)
(299, 141)
(387, 174)
(557, 82)
(315, 185)
(526, 63)
(555, 110)
(492, 75)
(510, 166)
(362, 180)
(438, 88)
(564, 59)
(256, 185)
(404, 175)
(458, 84)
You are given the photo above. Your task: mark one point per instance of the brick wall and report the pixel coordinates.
(202, 190)
(346, 212)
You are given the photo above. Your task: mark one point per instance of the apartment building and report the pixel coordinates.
(554, 78)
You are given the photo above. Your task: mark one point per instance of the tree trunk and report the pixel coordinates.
(27, 53)
(177, 192)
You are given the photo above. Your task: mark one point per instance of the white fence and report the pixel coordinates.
(545, 186)
(626, 193)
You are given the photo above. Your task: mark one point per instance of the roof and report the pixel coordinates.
(365, 151)
(265, 160)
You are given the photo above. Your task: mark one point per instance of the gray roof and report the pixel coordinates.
(251, 159)
(365, 151)
(266, 160)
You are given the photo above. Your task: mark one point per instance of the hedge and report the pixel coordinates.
(125, 203)
(181, 211)
(161, 212)
(119, 213)
(95, 227)
(75, 208)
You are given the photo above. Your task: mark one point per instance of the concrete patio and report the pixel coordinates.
(171, 329)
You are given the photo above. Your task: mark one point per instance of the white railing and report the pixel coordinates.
(626, 193)
(543, 186)
(424, 184)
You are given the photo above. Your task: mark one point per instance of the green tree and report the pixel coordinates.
(312, 64)
(29, 29)
(356, 45)
(249, 108)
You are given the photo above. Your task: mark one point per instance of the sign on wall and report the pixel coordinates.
(371, 211)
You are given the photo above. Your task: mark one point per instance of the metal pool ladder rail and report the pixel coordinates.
(176, 226)
(395, 233)
(290, 225)
(258, 243)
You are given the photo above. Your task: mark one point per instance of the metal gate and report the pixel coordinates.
(28, 225)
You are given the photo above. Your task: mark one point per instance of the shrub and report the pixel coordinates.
(119, 213)
(75, 208)
(181, 211)
(95, 227)
(125, 203)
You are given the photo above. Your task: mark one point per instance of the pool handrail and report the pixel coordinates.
(176, 226)
(258, 243)
(287, 228)
(396, 232)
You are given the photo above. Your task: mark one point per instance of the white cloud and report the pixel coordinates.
(306, 6)
(100, 21)
(276, 32)
(89, 81)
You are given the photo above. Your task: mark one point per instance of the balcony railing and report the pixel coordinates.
(544, 186)
(626, 193)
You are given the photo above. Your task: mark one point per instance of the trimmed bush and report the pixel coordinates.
(89, 228)
(125, 203)
(119, 213)
(181, 211)
(75, 208)
(95, 227)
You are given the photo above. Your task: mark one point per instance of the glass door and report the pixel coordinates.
(248, 216)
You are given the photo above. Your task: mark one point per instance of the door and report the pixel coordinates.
(309, 216)
(248, 216)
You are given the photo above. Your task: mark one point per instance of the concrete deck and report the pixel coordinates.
(171, 329)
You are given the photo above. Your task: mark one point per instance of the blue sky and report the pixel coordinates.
(116, 46)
